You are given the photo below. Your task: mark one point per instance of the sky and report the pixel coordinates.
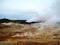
(23, 9)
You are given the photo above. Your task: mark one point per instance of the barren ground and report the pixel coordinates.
(27, 35)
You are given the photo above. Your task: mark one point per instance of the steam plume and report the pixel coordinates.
(52, 18)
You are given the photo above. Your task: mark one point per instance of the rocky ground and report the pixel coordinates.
(27, 34)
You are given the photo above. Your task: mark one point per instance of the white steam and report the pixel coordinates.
(54, 10)
(50, 18)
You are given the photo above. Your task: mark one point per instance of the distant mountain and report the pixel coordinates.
(14, 21)
(4, 20)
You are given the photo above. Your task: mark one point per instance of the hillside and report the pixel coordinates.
(14, 21)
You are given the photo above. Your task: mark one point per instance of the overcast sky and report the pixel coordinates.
(23, 9)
